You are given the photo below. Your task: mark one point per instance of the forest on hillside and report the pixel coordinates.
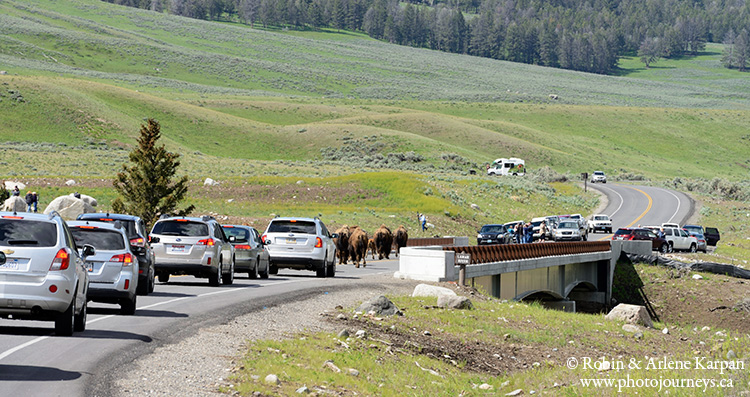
(584, 35)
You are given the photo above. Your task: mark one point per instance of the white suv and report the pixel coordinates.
(42, 276)
(193, 246)
(598, 176)
(600, 222)
(302, 244)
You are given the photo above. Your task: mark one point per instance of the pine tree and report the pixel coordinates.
(146, 189)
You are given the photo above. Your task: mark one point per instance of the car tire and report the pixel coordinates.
(263, 273)
(273, 269)
(228, 279)
(79, 322)
(253, 274)
(664, 248)
(127, 306)
(65, 321)
(331, 270)
(693, 248)
(214, 278)
(671, 247)
(163, 277)
(320, 272)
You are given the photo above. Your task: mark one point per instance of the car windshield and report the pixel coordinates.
(23, 233)
(598, 173)
(567, 225)
(241, 235)
(601, 218)
(292, 226)
(101, 239)
(493, 229)
(181, 228)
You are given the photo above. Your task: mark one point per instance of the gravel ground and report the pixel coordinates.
(200, 364)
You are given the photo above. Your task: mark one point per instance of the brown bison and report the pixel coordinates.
(358, 246)
(342, 244)
(401, 238)
(371, 246)
(383, 242)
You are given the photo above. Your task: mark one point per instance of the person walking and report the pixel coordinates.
(423, 221)
(543, 231)
(518, 233)
(29, 201)
(36, 200)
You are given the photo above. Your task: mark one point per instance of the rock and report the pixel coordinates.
(731, 355)
(553, 96)
(341, 316)
(516, 392)
(630, 328)
(330, 365)
(68, 207)
(210, 182)
(474, 207)
(454, 302)
(665, 331)
(638, 335)
(720, 334)
(743, 305)
(14, 204)
(631, 314)
(299, 182)
(380, 306)
(70, 182)
(706, 328)
(10, 185)
(361, 334)
(303, 390)
(87, 199)
(485, 386)
(431, 290)
(343, 334)
(697, 277)
(3, 72)
(272, 379)
(353, 372)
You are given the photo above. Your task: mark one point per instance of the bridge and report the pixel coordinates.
(557, 274)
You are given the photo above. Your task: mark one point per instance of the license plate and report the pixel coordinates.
(178, 248)
(291, 241)
(90, 266)
(10, 265)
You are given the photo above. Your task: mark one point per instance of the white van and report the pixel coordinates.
(511, 166)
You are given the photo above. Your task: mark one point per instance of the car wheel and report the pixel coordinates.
(692, 248)
(321, 271)
(705, 251)
(264, 273)
(65, 320)
(127, 306)
(331, 270)
(214, 279)
(664, 248)
(254, 273)
(273, 269)
(228, 278)
(79, 322)
(671, 247)
(163, 277)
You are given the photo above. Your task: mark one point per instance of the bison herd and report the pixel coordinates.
(353, 243)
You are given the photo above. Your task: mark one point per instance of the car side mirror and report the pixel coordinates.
(153, 240)
(232, 239)
(88, 250)
(2, 258)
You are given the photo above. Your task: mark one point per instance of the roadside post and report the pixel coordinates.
(462, 259)
(585, 176)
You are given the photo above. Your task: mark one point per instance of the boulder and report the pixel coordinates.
(15, 204)
(431, 290)
(474, 207)
(210, 182)
(10, 185)
(70, 182)
(87, 199)
(69, 207)
(631, 314)
(380, 306)
(454, 302)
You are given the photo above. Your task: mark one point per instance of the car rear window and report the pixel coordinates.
(292, 226)
(129, 225)
(621, 232)
(181, 228)
(101, 239)
(240, 234)
(25, 233)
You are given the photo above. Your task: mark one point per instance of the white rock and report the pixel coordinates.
(87, 199)
(704, 329)
(210, 182)
(474, 207)
(15, 204)
(630, 328)
(516, 392)
(485, 386)
(303, 390)
(431, 290)
(353, 372)
(665, 331)
(361, 334)
(68, 207)
(697, 277)
(631, 314)
(454, 302)
(10, 185)
(272, 379)
(70, 182)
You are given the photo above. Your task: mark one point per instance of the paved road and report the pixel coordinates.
(631, 205)
(34, 362)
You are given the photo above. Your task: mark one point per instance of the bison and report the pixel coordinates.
(371, 247)
(342, 244)
(358, 246)
(383, 242)
(401, 238)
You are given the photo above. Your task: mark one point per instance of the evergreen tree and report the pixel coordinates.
(146, 188)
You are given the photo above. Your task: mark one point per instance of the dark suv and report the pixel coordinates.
(139, 244)
(493, 234)
(635, 234)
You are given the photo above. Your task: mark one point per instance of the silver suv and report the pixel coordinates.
(42, 276)
(192, 246)
(302, 244)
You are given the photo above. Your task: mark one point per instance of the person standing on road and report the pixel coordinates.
(29, 201)
(661, 233)
(518, 233)
(36, 200)
(423, 221)
(528, 233)
(542, 231)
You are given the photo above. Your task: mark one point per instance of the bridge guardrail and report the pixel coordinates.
(510, 252)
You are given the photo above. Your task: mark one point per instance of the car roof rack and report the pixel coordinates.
(206, 218)
(53, 214)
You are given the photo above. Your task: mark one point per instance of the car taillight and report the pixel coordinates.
(263, 238)
(631, 237)
(318, 242)
(138, 242)
(61, 261)
(126, 259)
(209, 242)
(242, 247)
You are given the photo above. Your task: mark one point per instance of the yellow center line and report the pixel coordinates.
(648, 208)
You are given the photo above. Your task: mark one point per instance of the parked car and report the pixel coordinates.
(301, 244)
(712, 236)
(139, 242)
(600, 222)
(536, 224)
(42, 275)
(669, 224)
(493, 234)
(677, 238)
(598, 177)
(702, 244)
(629, 233)
(568, 230)
(113, 271)
(193, 246)
(250, 254)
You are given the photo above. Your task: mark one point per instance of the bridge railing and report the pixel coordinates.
(511, 252)
(429, 241)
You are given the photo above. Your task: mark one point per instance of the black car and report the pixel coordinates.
(139, 244)
(493, 234)
(712, 236)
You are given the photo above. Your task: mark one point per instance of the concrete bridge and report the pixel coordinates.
(557, 274)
